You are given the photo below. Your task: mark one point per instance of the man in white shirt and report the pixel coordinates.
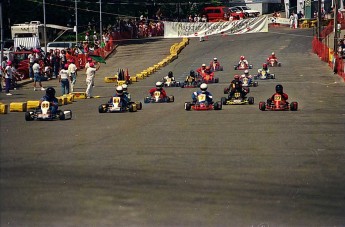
(37, 77)
(32, 59)
(72, 72)
(90, 76)
(8, 77)
(64, 79)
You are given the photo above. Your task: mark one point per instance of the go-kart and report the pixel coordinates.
(202, 104)
(237, 100)
(264, 75)
(208, 78)
(278, 105)
(116, 106)
(157, 98)
(243, 66)
(273, 62)
(216, 67)
(248, 82)
(168, 82)
(227, 90)
(190, 83)
(44, 113)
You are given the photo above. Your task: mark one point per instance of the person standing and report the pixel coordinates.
(90, 76)
(72, 72)
(291, 20)
(64, 79)
(37, 77)
(8, 77)
(31, 58)
(295, 20)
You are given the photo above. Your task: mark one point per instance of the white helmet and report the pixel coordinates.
(246, 71)
(119, 89)
(243, 76)
(272, 53)
(203, 87)
(203, 65)
(215, 59)
(159, 84)
(124, 87)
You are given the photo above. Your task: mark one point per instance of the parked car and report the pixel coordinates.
(60, 45)
(247, 11)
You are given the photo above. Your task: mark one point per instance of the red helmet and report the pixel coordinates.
(242, 58)
(236, 77)
(264, 65)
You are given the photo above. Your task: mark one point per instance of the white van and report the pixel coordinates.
(60, 45)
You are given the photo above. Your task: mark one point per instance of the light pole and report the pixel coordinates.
(76, 23)
(100, 19)
(44, 27)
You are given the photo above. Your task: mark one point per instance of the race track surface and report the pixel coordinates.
(164, 166)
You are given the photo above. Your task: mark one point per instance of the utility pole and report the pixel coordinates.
(76, 23)
(2, 34)
(335, 26)
(100, 20)
(44, 26)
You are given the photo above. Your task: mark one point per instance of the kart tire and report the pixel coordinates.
(147, 100)
(221, 68)
(187, 106)
(262, 106)
(216, 80)
(139, 105)
(101, 109)
(251, 100)
(293, 106)
(171, 99)
(61, 115)
(132, 107)
(250, 66)
(255, 84)
(223, 100)
(28, 116)
(255, 77)
(273, 76)
(226, 90)
(279, 64)
(235, 67)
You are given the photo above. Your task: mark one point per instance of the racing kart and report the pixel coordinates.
(208, 78)
(170, 83)
(190, 83)
(243, 66)
(202, 104)
(273, 63)
(44, 113)
(278, 105)
(248, 82)
(116, 106)
(237, 100)
(216, 67)
(227, 90)
(157, 98)
(264, 75)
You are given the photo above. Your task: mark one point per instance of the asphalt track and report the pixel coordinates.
(164, 166)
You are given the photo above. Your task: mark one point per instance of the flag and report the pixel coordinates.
(97, 58)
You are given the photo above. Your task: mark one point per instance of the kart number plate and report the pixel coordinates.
(157, 93)
(202, 98)
(237, 94)
(116, 100)
(277, 98)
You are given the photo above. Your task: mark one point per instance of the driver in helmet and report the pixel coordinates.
(272, 56)
(264, 68)
(243, 60)
(236, 86)
(202, 69)
(120, 93)
(190, 77)
(279, 92)
(159, 87)
(125, 91)
(215, 63)
(207, 72)
(203, 90)
(169, 76)
(50, 97)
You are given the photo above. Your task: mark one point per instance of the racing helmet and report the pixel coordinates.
(203, 87)
(236, 77)
(170, 74)
(246, 72)
(243, 76)
(119, 90)
(242, 58)
(203, 65)
(264, 66)
(159, 85)
(279, 88)
(215, 59)
(192, 73)
(273, 54)
(124, 87)
(50, 92)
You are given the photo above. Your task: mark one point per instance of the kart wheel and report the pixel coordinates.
(235, 67)
(139, 105)
(273, 76)
(221, 68)
(262, 106)
(216, 80)
(226, 90)
(187, 106)
(28, 116)
(251, 100)
(250, 66)
(219, 105)
(215, 106)
(61, 115)
(182, 85)
(223, 100)
(255, 84)
(171, 99)
(132, 108)
(255, 77)
(101, 109)
(146, 99)
(279, 64)
(293, 106)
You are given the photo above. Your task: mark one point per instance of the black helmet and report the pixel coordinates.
(50, 92)
(192, 73)
(170, 74)
(279, 88)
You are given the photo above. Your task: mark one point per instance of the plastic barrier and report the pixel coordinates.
(32, 104)
(3, 108)
(79, 95)
(18, 107)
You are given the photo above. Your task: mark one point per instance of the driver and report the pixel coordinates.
(202, 69)
(125, 91)
(170, 76)
(119, 93)
(50, 97)
(243, 60)
(159, 87)
(272, 56)
(279, 91)
(264, 68)
(190, 76)
(214, 63)
(236, 86)
(203, 90)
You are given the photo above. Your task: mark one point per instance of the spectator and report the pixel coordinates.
(64, 80)
(8, 77)
(72, 72)
(31, 58)
(90, 76)
(37, 77)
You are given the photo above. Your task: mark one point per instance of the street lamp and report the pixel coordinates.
(76, 23)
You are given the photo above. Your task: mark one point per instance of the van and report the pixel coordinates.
(216, 13)
(60, 45)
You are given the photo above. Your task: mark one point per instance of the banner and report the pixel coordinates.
(278, 20)
(201, 29)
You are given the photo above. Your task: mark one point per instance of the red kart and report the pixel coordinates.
(273, 62)
(243, 66)
(208, 78)
(278, 105)
(215, 66)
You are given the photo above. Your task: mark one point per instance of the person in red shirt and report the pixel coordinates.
(279, 92)
(202, 69)
(272, 56)
(159, 87)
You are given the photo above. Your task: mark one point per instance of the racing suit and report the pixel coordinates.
(243, 61)
(124, 99)
(209, 97)
(236, 86)
(201, 70)
(54, 103)
(162, 91)
(214, 65)
(272, 57)
(283, 95)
